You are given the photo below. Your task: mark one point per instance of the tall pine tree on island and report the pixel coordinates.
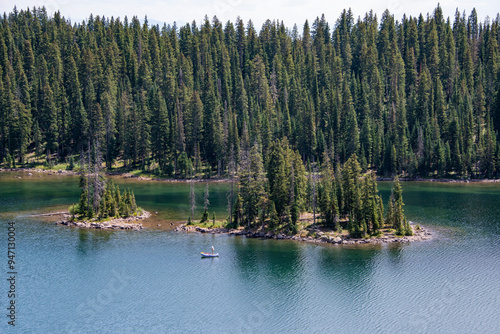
(395, 213)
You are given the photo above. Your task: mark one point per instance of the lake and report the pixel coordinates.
(153, 281)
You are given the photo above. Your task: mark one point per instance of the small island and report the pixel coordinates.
(341, 206)
(102, 205)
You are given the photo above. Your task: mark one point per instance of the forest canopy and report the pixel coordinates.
(419, 96)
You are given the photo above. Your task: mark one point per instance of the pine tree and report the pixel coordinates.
(50, 121)
(83, 208)
(194, 123)
(277, 176)
(327, 199)
(160, 127)
(372, 211)
(144, 138)
(97, 177)
(351, 188)
(396, 213)
(251, 183)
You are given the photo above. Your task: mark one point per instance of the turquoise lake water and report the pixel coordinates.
(79, 281)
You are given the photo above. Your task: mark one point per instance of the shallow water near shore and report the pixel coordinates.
(80, 281)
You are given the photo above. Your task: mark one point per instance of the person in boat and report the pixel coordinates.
(212, 250)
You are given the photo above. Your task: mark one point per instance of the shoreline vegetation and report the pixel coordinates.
(129, 175)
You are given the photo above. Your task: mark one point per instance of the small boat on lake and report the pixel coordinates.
(203, 254)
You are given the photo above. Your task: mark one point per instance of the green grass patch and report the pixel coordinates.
(210, 224)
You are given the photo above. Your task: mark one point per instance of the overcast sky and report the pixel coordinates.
(290, 11)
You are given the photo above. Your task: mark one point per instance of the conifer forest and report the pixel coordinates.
(419, 96)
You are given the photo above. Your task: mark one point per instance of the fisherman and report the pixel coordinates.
(212, 250)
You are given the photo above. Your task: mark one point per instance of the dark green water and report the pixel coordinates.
(79, 281)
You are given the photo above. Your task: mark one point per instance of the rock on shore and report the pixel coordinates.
(130, 223)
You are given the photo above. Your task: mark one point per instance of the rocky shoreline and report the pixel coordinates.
(317, 236)
(129, 223)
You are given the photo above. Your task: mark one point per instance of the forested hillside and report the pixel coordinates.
(410, 96)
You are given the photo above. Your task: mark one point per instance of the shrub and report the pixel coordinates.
(204, 217)
(294, 229)
(71, 164)
(74, 209)
(407, 230)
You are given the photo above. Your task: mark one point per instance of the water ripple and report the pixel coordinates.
(155, 281)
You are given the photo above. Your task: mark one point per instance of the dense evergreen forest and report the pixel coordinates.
(416, 97)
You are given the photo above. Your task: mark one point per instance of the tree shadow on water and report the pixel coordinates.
(91, 240)
(349, 267)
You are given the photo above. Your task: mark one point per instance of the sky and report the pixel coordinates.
(289, 11)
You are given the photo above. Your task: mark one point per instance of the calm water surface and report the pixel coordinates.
(79, 281)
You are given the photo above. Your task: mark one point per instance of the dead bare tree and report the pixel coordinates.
(206, 201)
(230, 195)
(192, 198)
